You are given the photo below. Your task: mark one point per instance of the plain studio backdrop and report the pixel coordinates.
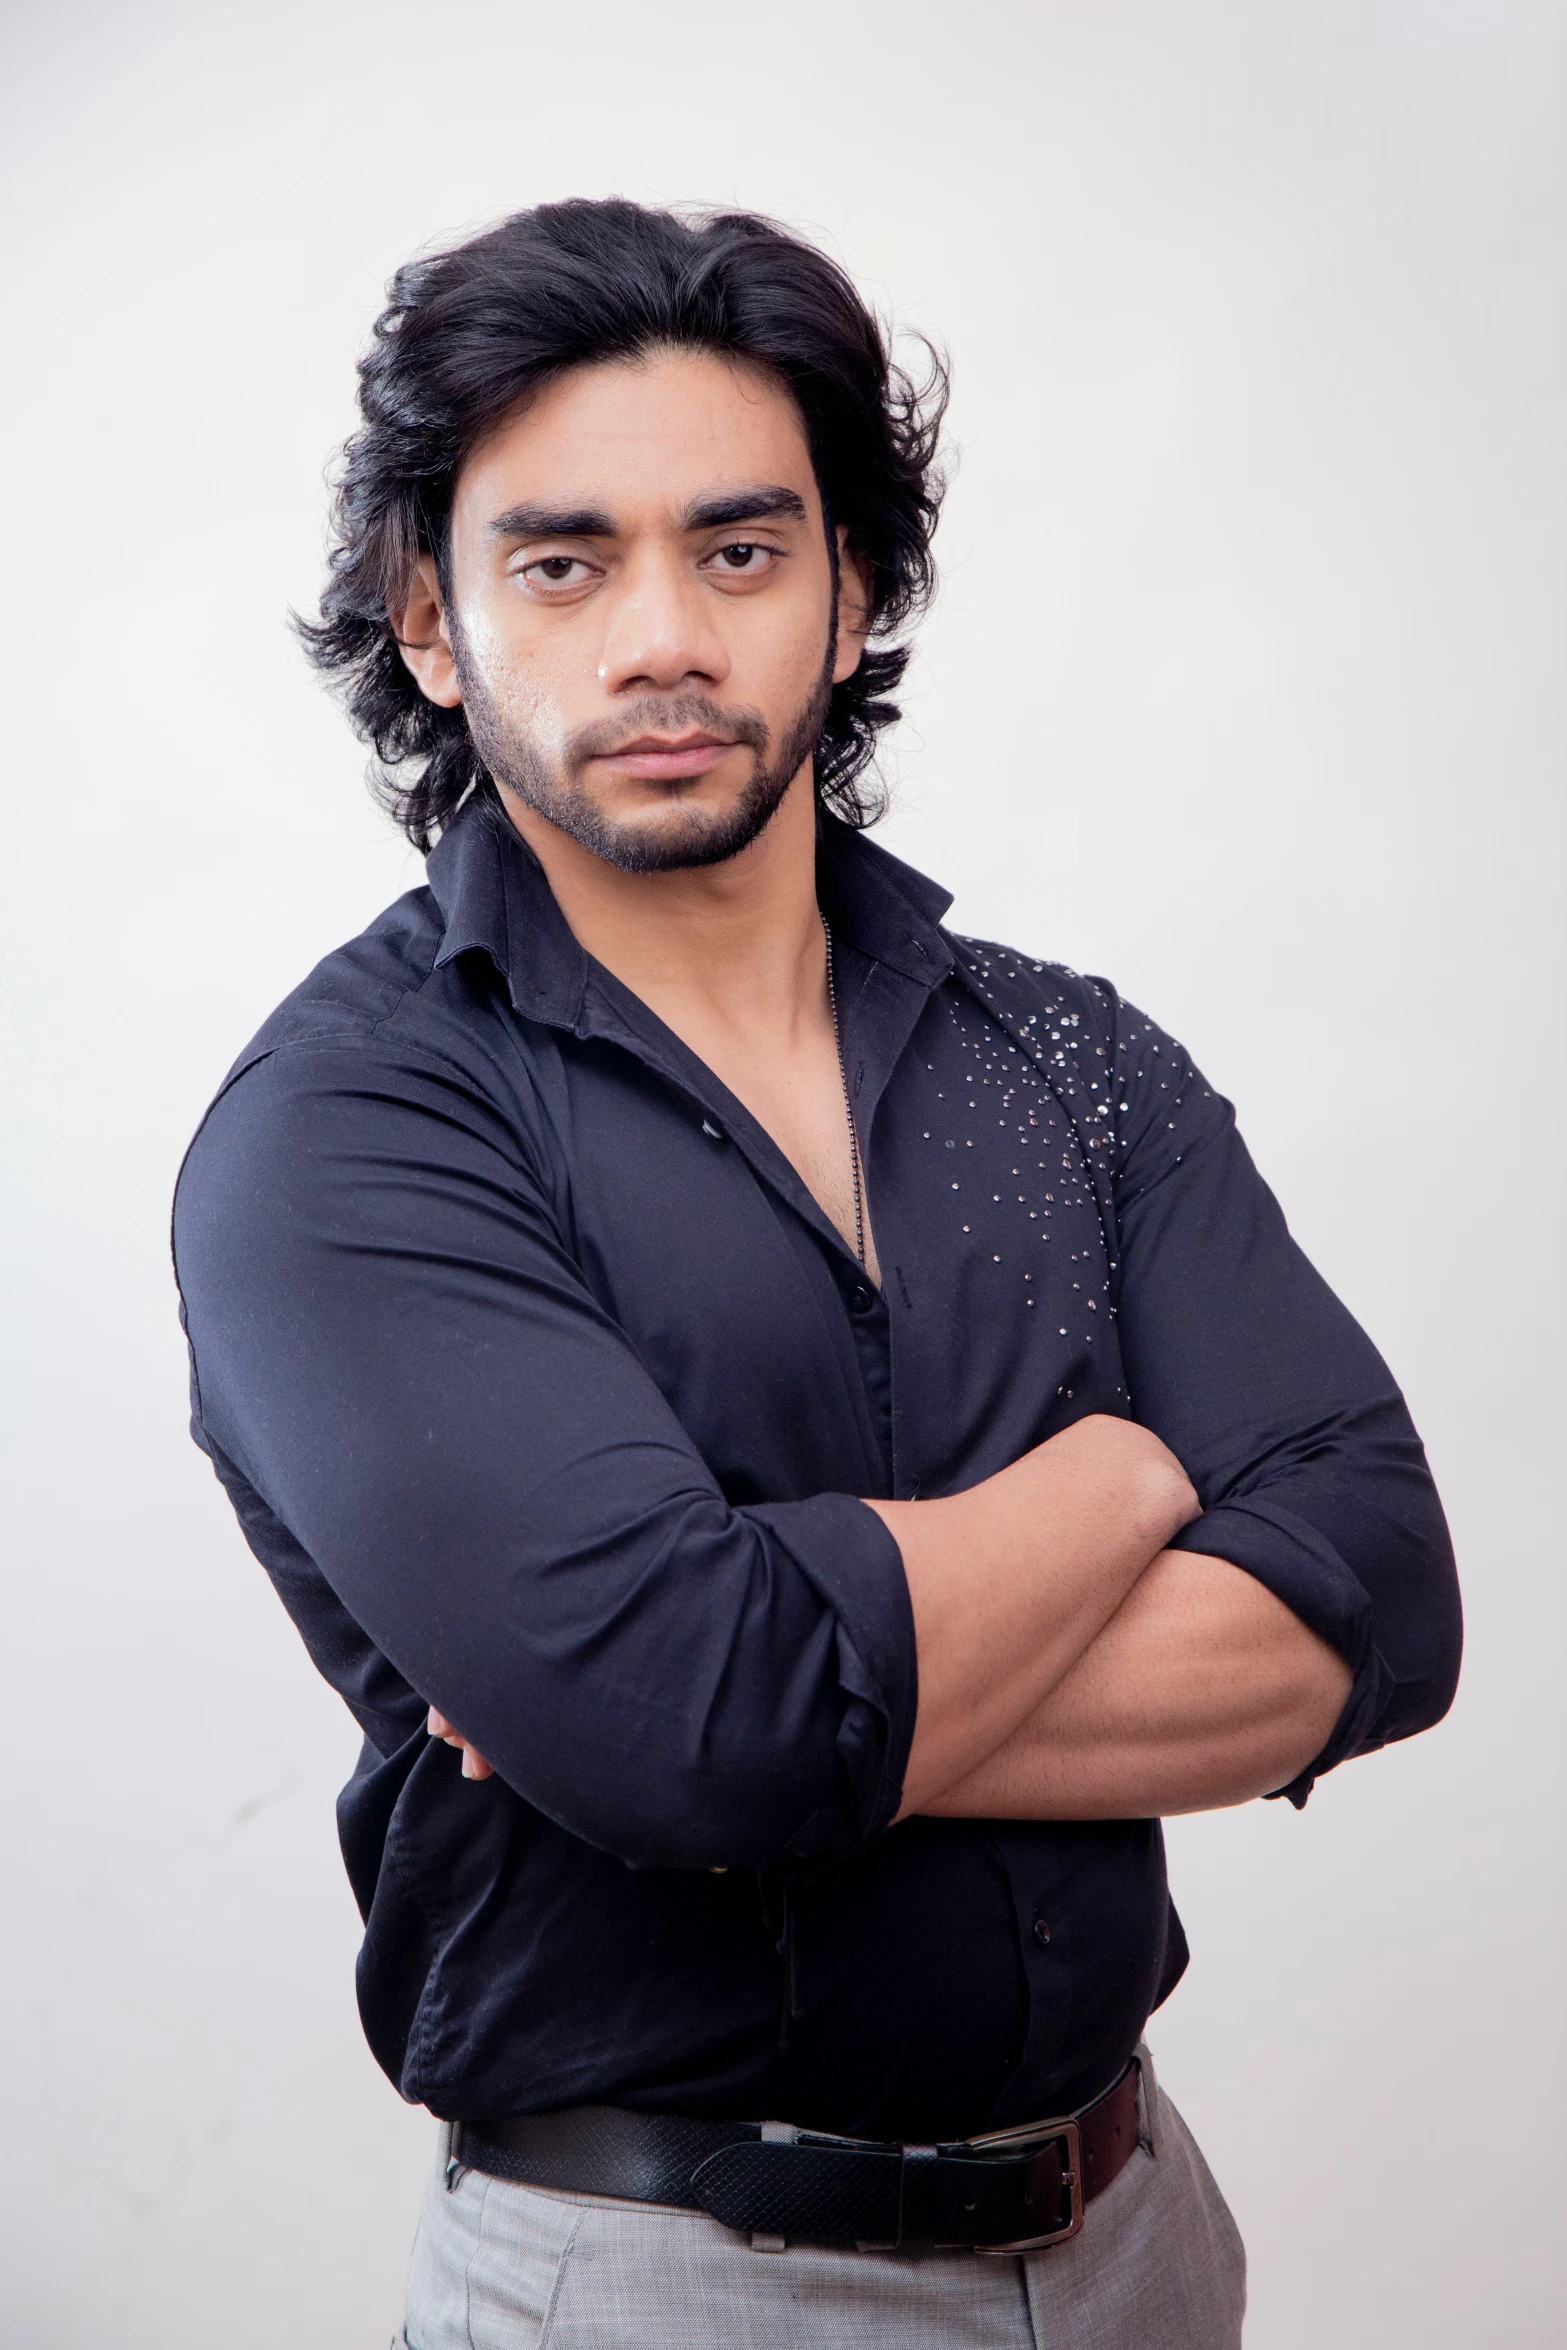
(1246, 687)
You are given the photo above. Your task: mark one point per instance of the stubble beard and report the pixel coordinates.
(698, 835)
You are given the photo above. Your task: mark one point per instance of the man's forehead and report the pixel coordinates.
(663, 436)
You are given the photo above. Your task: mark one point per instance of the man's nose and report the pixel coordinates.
(661, 632)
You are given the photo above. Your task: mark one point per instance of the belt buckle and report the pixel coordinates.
(1039, 2134)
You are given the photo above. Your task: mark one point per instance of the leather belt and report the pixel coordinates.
(1008, 2191)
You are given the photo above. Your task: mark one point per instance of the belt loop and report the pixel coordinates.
(1147, 2100)
(773, 2134)
(911, 2154)
(450, 2155)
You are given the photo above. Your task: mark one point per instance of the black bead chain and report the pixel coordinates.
(848, 1105)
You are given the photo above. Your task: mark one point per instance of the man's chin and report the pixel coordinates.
(679, 836)
(683, 843)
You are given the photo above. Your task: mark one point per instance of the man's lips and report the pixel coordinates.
(654, 758)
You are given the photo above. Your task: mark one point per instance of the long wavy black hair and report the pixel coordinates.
(468, 335)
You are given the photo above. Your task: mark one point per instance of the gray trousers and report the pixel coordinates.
(1158, 2266)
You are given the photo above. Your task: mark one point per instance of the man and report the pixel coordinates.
(818, 1417)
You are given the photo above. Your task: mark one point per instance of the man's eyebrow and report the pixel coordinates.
(552, 522)
(543, 521)
(753, 505)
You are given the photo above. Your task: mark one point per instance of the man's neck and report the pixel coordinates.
(733, 959)
(738, 944)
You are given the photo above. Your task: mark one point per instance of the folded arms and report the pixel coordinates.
(402, 1374)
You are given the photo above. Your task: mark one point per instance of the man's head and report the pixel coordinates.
(630, 496)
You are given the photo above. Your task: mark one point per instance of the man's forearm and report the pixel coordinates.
(1010, 1581)
(1202, 1690)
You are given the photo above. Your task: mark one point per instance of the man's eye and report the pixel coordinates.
(556, 571)
(744, 555)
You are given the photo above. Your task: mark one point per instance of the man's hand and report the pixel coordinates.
(474, 1765)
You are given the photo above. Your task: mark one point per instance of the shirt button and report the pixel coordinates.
(861, 1300)
(1041, 1930)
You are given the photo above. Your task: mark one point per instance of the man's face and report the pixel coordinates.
(643, 634)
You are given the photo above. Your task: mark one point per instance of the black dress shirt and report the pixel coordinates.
(545, 1392)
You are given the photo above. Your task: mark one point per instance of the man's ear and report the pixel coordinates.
(423, 638)
(854, 606)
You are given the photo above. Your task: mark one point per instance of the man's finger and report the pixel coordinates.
(474, 1765)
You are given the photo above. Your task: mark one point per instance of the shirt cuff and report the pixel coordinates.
(848, 1556)
(1301, 1567)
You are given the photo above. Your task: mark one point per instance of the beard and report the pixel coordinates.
(694, 835)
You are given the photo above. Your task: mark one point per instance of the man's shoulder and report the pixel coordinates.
(385, 975)
(1128, 1084)
(385, 1012)
(1041, 994)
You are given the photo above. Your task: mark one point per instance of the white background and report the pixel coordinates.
(1246, 687)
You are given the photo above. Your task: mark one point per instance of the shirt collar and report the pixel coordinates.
(494, 897)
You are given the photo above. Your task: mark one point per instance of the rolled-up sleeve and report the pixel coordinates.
(393, 1344)
(1285, 1417)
